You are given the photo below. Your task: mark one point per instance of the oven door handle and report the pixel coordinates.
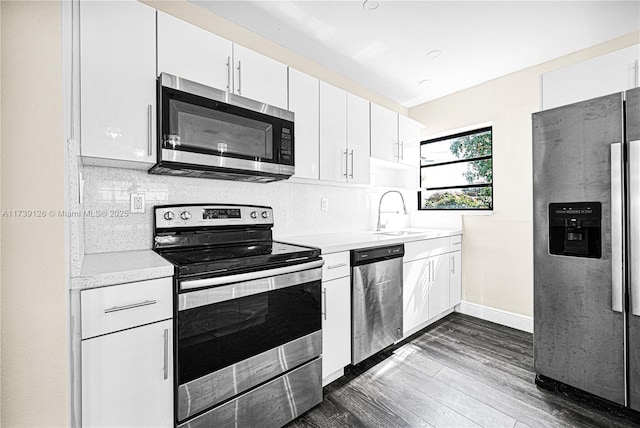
(243, 277)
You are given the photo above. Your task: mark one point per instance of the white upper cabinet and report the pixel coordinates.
(259, 77)
(304, 99)
(614, 72)
(118, 85)
(193, 53)
(358, 164)
(333, 133)
(188, 51)
(409, 137)
(384, 133)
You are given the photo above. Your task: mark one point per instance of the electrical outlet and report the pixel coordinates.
(137, 203)
(324, 204)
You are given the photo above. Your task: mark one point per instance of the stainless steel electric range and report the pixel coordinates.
(248, 339)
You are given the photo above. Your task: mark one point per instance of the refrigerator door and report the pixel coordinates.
(578, 327)
(633, 172)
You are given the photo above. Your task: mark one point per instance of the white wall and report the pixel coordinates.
(34, 350)
(498, 249)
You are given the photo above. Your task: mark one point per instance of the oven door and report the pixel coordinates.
(208, 127)
(233, 337)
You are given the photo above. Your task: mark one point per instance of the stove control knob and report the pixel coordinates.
(169, 215)
(254, 214)
(265, 214)
(185, 215)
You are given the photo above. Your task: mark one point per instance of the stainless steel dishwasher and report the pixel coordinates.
(376, 299)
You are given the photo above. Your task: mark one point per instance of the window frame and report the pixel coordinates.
(459, 161)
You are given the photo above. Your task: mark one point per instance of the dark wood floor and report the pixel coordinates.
(459, 372)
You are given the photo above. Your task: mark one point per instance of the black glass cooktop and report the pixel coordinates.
(229, 259)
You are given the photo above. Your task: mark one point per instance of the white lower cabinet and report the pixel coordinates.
(127, 378)
(336, 315)
(336, 322)
(414, 294)
(431, 281)
(439, 292)
(127, 355)
(455, 278)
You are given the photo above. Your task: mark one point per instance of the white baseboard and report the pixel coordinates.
(498, 316)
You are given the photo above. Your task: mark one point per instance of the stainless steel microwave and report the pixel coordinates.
(207, 132)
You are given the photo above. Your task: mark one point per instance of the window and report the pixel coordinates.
(456, 172)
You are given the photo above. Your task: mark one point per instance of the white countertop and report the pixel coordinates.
(345, 241)
(103, 269)
(120, 267)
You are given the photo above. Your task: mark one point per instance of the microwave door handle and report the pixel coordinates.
(617, 274)
(634, 227)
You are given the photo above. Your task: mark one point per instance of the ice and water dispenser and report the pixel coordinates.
(575, 229)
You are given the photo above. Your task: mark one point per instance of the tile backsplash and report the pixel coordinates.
(297, 205)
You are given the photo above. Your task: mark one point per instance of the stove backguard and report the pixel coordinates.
(575, 229)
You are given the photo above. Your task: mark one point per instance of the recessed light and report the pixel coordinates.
(434, 53)
(424, 81)
(370, 4)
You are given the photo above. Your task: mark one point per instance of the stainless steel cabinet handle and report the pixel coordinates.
(336, 266)
(634, 227)
(351, 154)
(401, 153)
(166, 353)
(239, 77)
(131, 306)
(149, 130)
(453, 264)
(324, 303)
(228, 74)
(617, 274)
(397, 155)
(346, 164)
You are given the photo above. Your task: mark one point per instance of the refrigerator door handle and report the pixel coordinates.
(634, 227)
(617, 274)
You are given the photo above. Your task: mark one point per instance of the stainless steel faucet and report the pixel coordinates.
(381, 226)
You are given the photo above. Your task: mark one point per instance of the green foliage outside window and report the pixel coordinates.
(471, 151)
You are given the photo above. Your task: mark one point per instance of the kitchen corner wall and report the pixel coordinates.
(498, 249)
(296, 205)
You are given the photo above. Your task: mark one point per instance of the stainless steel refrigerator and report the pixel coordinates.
(586, 194)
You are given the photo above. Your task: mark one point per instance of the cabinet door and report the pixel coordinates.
(333, 133)
(409, 136)
(415, 294)
(358, 164)
(117, 80)
(304, 100)
(384, 133)
(439, 291)
(455, 278)
(127, 378)
(193, 53)
(336, 322)
(259, 77)
(603, 75)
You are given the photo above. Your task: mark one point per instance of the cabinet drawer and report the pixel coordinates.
(109, 309)
(455, 243)
(336, 265)
(429, 247)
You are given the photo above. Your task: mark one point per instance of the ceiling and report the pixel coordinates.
(386, 49)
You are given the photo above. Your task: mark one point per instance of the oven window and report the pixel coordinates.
(218, 335)
(207, 130)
